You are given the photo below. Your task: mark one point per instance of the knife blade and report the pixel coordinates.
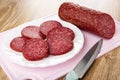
(81, 68)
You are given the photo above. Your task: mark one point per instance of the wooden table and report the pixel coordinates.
(16, 12)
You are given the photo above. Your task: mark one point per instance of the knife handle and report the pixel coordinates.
(71, 76)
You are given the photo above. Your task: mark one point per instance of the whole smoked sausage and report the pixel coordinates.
(84, 18)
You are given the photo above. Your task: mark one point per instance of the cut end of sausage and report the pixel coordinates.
(106, 29)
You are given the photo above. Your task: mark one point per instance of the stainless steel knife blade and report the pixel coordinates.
(82, 67)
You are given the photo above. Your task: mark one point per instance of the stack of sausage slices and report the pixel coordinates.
(36, 43)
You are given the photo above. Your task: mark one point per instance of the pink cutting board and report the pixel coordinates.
(18, 72)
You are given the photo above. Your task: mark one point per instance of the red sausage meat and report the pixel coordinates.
(94, 21)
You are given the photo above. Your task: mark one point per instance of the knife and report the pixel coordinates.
(81, 68)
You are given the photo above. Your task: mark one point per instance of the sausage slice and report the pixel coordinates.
(35, 49)
(62, 32)
(46, 26)
(60, 40)
(17, 43)
(31, 32)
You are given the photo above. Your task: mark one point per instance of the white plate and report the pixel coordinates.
(18, 58)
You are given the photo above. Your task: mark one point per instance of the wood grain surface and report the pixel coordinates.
(16, 12)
